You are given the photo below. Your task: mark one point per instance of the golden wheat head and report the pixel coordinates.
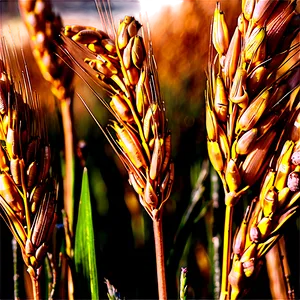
(27, 189)
(123, 63)
(248, 94)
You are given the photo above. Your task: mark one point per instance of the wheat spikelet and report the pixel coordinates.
(250, 80)
(127, 70)
(27, 188)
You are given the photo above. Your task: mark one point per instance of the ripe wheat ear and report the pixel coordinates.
(28, 187)
(250, 79)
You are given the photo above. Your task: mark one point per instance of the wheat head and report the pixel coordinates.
(28, 190)
(123, 63)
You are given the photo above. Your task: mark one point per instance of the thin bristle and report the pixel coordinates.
(106, 17)
(96, 120)
(84, 79)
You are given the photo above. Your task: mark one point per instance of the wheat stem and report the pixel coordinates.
(68, 182)
(286, 268)
(160, 261)
(35, 287)
(226, 252)
(65, 105)
(275, 273)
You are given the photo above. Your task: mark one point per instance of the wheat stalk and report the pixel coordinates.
(279, 272)
(27, 188)
(122, 61)
(247, 98)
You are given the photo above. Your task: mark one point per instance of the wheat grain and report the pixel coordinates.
(182, 284)
(112, 292)
(27, 188)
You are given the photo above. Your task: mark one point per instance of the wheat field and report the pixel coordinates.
(193, 216)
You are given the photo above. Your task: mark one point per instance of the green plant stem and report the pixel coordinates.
(160, 261)
(16, 272)
(226, 253)
(51, 275)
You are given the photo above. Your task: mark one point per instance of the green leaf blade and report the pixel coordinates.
(84, 251)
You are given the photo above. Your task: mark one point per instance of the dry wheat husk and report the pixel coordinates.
(28, 190)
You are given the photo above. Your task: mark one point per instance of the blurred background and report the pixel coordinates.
(193, 216)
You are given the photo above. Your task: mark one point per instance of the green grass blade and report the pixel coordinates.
(84, 252)
(183, 285)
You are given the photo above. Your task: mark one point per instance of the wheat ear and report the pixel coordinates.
(27, 189)
(123, 63)
(247, 97)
